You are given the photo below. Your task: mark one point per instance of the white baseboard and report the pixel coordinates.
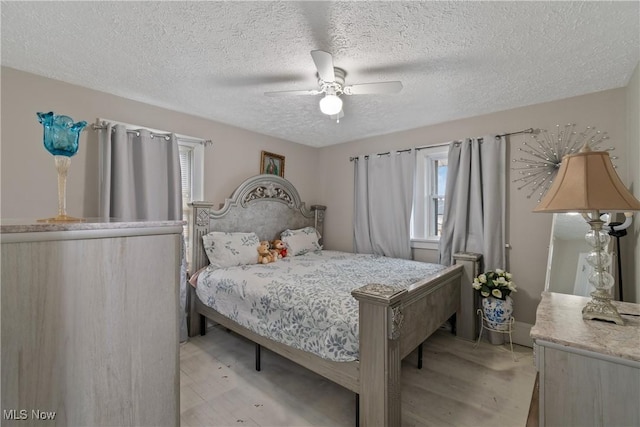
(522, 334)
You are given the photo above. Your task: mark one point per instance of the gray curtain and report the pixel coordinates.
(383, 201)
(474, 208)
(140, 175)
(140, 180)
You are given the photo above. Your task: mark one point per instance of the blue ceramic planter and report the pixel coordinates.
(498, 312)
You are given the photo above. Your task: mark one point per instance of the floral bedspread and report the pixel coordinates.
(305, 301)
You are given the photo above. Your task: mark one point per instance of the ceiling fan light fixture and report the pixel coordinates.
(332, 86)
(330, 104)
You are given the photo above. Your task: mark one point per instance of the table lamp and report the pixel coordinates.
(588, 183)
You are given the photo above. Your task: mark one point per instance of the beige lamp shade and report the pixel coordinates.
(587, 181)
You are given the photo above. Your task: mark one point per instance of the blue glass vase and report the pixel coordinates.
(61, 137)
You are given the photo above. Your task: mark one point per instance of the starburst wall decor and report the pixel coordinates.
(545, 152)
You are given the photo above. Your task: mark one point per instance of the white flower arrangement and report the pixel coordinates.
(496, 283)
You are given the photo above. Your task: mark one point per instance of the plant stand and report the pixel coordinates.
(504, 328)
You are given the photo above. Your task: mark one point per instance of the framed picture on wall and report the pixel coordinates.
(272, 164)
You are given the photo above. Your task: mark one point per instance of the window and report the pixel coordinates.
(428, 202)
(192, 171)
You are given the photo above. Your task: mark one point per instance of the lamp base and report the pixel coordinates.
(62, 218)
(600, 308)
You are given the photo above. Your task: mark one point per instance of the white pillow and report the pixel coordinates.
(231, 249)
(301, 241)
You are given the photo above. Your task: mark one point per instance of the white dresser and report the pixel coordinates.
(90, 323)
(589, 369)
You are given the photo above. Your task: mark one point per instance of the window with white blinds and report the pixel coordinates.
(428, 201)
(192, 171)
(186, 160)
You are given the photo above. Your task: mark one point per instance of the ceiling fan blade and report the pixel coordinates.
(324, 64)
(373, 88)
(293, 92)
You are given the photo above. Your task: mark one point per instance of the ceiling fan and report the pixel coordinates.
(331, 82)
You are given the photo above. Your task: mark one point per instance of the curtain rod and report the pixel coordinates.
(530, 130)
(406, 150)
(165, 135)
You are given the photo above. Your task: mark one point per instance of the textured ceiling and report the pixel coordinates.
(216, 59)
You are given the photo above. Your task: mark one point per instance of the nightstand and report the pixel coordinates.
(589, 370)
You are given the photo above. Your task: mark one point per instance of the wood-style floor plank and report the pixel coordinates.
(459, 385)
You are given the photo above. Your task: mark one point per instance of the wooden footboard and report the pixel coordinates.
(394, 322)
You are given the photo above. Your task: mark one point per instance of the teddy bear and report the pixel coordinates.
(264, 254)
(280, 248)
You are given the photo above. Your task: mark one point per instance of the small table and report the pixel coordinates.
(502, 328)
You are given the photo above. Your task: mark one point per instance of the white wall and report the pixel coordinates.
(323, 176)
(29, 189)
(528, 233)
(631, 243)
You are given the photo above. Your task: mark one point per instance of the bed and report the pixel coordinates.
(393, 315)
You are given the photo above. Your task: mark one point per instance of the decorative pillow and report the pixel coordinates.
(231, 249)
(301, 241)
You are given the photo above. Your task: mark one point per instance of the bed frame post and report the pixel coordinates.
(319, 211)
(198, 227)
(380, 322)
(466, 318)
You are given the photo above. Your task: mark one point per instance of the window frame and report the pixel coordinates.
(196, 148)
(425, 184)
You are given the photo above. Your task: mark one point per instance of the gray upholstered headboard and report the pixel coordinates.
(264, 204)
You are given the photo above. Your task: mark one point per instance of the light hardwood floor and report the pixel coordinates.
(459, 385)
